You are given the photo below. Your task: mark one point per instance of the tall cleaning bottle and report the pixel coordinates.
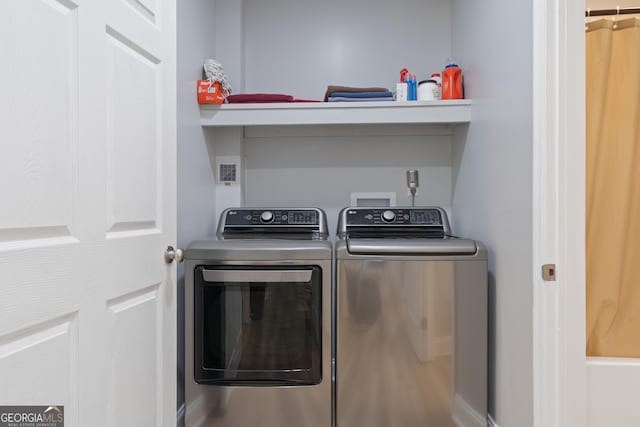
(452, 81)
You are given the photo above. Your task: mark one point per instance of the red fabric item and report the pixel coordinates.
(258, 97)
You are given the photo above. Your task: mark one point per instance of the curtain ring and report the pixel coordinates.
(586, 19)
(615, 18)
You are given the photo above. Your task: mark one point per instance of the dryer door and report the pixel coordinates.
(257, 325)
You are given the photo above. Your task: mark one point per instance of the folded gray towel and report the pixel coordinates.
(343, 99)
(332, 89)
(361, 95)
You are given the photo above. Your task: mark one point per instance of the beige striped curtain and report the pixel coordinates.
(613, 188)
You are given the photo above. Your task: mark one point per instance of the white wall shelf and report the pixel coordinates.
(328, 113)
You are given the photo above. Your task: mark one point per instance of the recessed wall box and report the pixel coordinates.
(373, 199)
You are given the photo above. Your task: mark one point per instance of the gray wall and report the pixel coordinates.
(492, 186)
(322, 165)
(196, 213)
(300, 46)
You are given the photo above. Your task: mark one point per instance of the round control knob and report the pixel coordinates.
(266, 217)
(388, 216)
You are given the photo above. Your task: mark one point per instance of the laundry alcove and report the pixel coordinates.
(474, 156)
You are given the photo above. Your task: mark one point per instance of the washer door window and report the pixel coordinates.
(258, 325)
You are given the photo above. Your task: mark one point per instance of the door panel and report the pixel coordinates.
(29, 375)
(134, 325)
(42, 167)
(145, 8)
(132, 153)
(612, 392)
(88, 166)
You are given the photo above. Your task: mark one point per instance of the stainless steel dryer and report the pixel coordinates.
(411, 321)
(258, 319)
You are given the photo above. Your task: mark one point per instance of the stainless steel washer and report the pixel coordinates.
(411, 321)
(258, 319)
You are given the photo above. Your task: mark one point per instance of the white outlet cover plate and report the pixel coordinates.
(374, 199)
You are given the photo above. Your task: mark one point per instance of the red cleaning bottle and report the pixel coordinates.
(452, 81)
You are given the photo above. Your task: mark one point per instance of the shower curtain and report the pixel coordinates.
(613, 188)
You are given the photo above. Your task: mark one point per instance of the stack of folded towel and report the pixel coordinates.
(361, 94)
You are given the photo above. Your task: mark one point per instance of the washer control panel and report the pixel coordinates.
(393, 222)
(394, 216)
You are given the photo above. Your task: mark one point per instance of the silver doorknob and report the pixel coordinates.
(170, 254)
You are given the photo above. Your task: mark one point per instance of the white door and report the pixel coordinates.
(87, 166)
(572, 389)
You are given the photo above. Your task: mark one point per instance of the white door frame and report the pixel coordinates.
(559, 213)
(88, 164)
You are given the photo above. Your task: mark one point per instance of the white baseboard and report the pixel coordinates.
(490, 422)
(465, 416)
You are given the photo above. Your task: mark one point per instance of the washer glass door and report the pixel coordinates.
(258, 325)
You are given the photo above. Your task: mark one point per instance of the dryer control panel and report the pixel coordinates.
(271, 217)
(255, 222)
